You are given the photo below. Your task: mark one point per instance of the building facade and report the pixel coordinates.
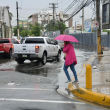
(106, 14)
(33, 19)
(45, 17)
(78, 27)
(5, 22)
(23, 23)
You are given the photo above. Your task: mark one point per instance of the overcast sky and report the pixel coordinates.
(29, 7)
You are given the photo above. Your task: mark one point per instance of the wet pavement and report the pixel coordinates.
(35, 83)
(52, 68)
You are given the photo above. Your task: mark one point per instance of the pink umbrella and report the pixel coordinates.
(66, 38)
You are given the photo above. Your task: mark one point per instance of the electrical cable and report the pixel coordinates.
(71, 5)
(64, 4)
(78, 9)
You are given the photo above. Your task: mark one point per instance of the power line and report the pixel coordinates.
(70, 6)
(79, 8)
(64, 4)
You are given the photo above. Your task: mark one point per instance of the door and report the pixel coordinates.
(49, 47)
(54, 47)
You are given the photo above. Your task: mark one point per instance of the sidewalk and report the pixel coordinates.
(100, 92)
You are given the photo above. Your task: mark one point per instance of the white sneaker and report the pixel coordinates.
(68, 81)
(75, 82)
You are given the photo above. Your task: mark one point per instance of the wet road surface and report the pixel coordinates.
(32, 86)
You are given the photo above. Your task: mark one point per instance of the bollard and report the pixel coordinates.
(88, 77)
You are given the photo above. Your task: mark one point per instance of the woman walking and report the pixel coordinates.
(70, 61)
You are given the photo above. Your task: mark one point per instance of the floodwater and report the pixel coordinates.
(52, 69)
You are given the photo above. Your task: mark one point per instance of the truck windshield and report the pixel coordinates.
(34, 40)
(4, 41)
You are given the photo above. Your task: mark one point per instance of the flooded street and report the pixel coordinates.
(37, 84)
(52, 69)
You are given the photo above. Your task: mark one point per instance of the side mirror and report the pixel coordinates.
(55, 43)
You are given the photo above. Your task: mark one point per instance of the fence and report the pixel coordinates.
(105, 40)
(86, 39)
(50, 34)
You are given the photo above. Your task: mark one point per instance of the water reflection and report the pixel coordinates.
(51, 68)
(36, 68)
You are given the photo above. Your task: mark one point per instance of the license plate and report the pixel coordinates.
(24, 55)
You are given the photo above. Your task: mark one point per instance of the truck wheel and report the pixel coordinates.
(58, 56)
(19, 60)
(44, 59)
(10, 54)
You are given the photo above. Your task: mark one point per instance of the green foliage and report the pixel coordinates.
(36, 29)
(15, 31)
(24, 33)
(58, 26)
(10, 15)
(33, 30)
(108, 31)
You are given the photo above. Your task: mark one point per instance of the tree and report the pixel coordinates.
(15, 30)
(36, 29)
(10, 15)
(33, 30)
(58, 26)
(24, 33)
(108, 31)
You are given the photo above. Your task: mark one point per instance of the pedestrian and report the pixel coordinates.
(70, 61)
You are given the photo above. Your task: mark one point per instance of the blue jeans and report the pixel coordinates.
(73, 70)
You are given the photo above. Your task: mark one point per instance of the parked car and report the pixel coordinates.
(6, 45)
(36, 48)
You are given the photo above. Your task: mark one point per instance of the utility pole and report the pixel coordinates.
(54, 6)
(99, 27)
(17, 20)
(82, 19)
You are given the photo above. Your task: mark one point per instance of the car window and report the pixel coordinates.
(15, 41)
(12, 41)
(48, 40)
(54, 42)
(35, 40)
(4, 41)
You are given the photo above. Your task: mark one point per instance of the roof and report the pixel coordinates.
(38, 37)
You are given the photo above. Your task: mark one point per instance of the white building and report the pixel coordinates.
(45, 17)
(5, 23)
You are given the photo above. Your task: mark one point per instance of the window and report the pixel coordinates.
(105, 15)
(4, 41)
(48, 40)
(54, 42)
(35, 40)
(14, 41)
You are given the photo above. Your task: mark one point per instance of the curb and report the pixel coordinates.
(89, 95)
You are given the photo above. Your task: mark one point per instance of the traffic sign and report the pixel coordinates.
(96, 24)
(54, 33)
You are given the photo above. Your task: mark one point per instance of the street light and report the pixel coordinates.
(75, 26)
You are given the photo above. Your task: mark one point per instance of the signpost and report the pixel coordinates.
(87, 25)
(54, 34)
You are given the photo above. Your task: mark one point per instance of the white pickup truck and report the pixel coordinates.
(36, 48)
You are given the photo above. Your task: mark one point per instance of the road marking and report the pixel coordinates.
(44, 101)
(27, 89)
